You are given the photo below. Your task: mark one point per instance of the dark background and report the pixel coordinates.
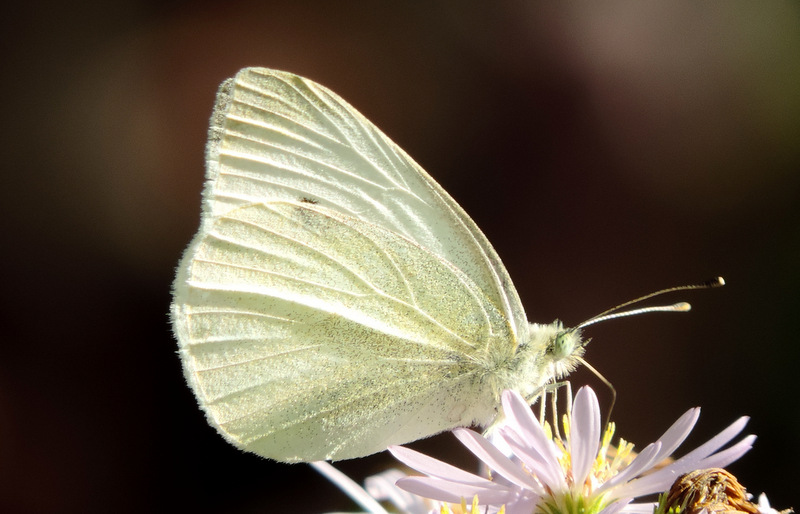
(606, 149)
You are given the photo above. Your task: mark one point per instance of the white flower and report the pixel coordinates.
(572, 475)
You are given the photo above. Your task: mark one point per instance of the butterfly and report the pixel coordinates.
(335, 299)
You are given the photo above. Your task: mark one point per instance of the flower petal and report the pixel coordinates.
(764, 506)
(548, 472)
(718, 441)
(383, 486)
(443, 490)
(677, 433)
(494, 458)
(435, 468)
(349, 487)
(525, 504)
(584, 435)
(728, 455)
(656, 482)
(643, 461)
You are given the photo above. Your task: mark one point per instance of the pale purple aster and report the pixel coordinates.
(565, 476)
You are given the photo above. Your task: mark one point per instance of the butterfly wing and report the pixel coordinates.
(335, 300)
(277, 136)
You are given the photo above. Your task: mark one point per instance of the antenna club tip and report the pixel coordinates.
(682, 307)
(716, 282)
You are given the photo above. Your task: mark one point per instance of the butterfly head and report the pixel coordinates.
(565, 350)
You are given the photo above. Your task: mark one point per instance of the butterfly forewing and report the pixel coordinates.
(277, 136)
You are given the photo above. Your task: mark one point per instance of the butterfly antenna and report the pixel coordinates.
(677, 307)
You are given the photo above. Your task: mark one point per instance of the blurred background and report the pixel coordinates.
(606, 149)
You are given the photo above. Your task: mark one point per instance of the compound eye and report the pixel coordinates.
(562, 345)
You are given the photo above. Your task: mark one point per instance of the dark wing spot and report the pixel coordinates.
(305, 199)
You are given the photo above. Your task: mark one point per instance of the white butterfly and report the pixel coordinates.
(336, 300)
